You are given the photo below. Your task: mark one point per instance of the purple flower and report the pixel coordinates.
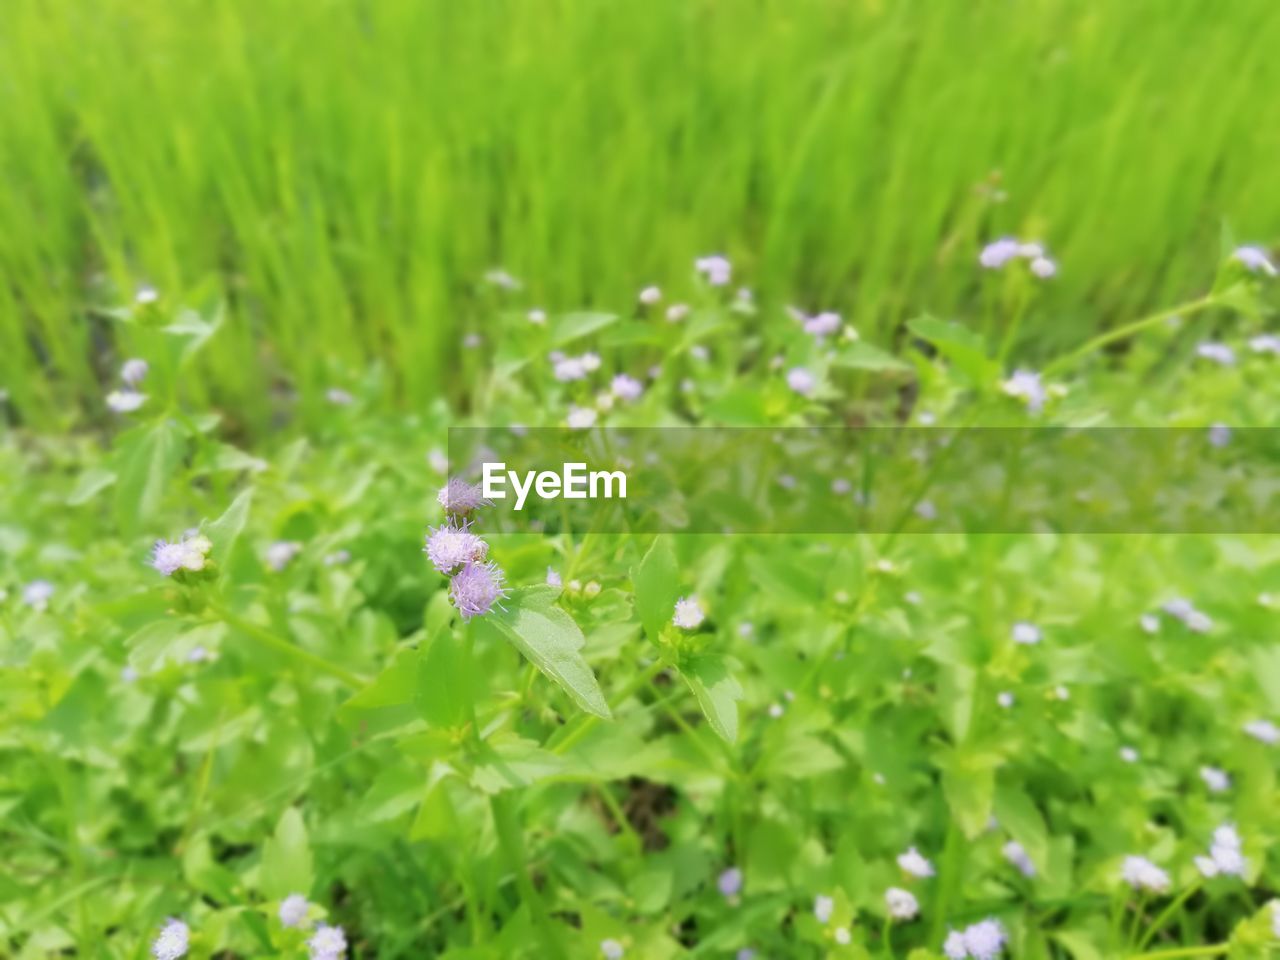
(1026, 386)
(173, 941)
(626, 388)
(801, 381)
(187, 554)
(449, 546)
(134, 371)
(650, 295)
(999, 252)
(327, 943)
(1254, 259)
(36, 594)
(730, 882)
(1217, 352)
(125, 401)
(460, 498)
(1044, 268)
(293, 910)
(476, 588)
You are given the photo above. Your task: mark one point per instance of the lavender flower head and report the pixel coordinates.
(189, 553)
(134, 371)
(1025, 385)
(611, 949)
(729, 883)
(1016, 854)
(1025, 633)
(125, 401)
(801, 381)
(901, 904)
(650, 295)
(914, 863)
(460, 498)
(476, 588)
(327, 943)
(823, 907)
(626, 388)
(173, 941)
(339, 397)
(1265, 343)
(688, 614)
(449, 546)
(1225, 856)
(293, 910)
(580, 418)
(1217, 780)
(985, 939)
(1264, 731)
(1141, 874)
(997, 253)
(1254, 259)
(36, 594)
(715, 269)
(553, 578)
(281, 553)
(1217, 352)
(823, 325)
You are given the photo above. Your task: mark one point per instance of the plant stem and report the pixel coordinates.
(1128, 330)
(511, 840)
(281, 645)
(1165, 914)
(1214, 950)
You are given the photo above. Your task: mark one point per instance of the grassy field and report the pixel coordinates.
(273, 684)
(343, 174)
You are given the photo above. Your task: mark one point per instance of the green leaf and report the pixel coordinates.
(446, 687)
(90, 483)
(1018, 814)
(147, 460)
(718, 692)
(286, 858)
(963, 347)
(657, 583)
(860, 355)
(571, 326)
(225, 531)
(551, 640)
(968, 782)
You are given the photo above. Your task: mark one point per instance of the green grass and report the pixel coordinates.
(343, 173)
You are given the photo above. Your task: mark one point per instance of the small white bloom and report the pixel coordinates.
(36, 594)
(1005, 699)
(1141, 874)
(580, 418)
(460, 498)
(688, 614)
(1025, 385)
(128, 673)
(650, 295)
(327, 943)
(1217, 352)
(842, 936)
(293, 910)
(1149, 622)
(1061, 692)
(715, 269)
(954, 946)
(134, 371)
(823, 325)
(339, 397)
(699, 352)
(281, 553)
(1044, 268)
(498, 277)
(677, 312)
(985, 939)
(823, 907)
(776, 710)
(590, 362)
(568, 369)
(553, 578)
(901, 904)
(173, 941)
(915, 864)
(1275, 918)
(146, 294)
(1217, 780)
(1225, 856)
(1254, 260)
(1265, 343)
(611, 949)
(1264, 731)
(1219, 435)
(537, 316)
(1016, 854)
(801, 381)
(125, 401)
(999, 252)
(626, 388)
(1026, 633)
(926, 510)
(1128, 754)
(450, 545)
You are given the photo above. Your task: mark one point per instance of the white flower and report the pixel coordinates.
(1194, 620)
(611, 949)
(954, 946)
(776, 711)
(823, 907)
(146, 294)
(293, 910)
(843, 937)
(677, 312)
(985, 939)
(715, 269)
(626, 388)
(1025, 385)
(187, 554)
(327, 943)
(281, 553)
(801, 381)
(999, 252)
(1264, 731)
(688, 614)
(901, 904)
(437, 460)
(1005, 699)
(1225, 857)
(822, 325)
(1149, 622)
(1061, 692)
(1016, 854)
(590, 362)
(500, 278)
(1275, 918)
(580, 418)
(125, 401)
(173, 941)
(1219, 435)
(1218, 781)
(339, 397)
(1044, 268)
(134, 371)
(1024, 632)
(650, 295)
(1254, 260)
(1141, 874)
(568, 369)
(914, 863)
(1128, 754)
(537, 316)
(1265, 343)
(128, 673)
(553, 578)
(36, 594)
(1217, 352)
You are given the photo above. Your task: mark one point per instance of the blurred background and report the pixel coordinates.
(342, 175)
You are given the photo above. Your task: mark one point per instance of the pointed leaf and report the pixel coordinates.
(718, 692)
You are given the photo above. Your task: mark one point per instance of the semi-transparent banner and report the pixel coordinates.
(908, 480)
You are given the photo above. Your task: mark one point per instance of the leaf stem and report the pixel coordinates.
(1128, 330)
(281, 645)
(1165, 914)
(1176, 953)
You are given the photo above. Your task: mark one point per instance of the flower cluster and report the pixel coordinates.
(173, 942)
(688, 614)
(981, 941)
(327, 943)
(1141, 874)
(1005, 250)
(1225, 857)
(475, 584)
